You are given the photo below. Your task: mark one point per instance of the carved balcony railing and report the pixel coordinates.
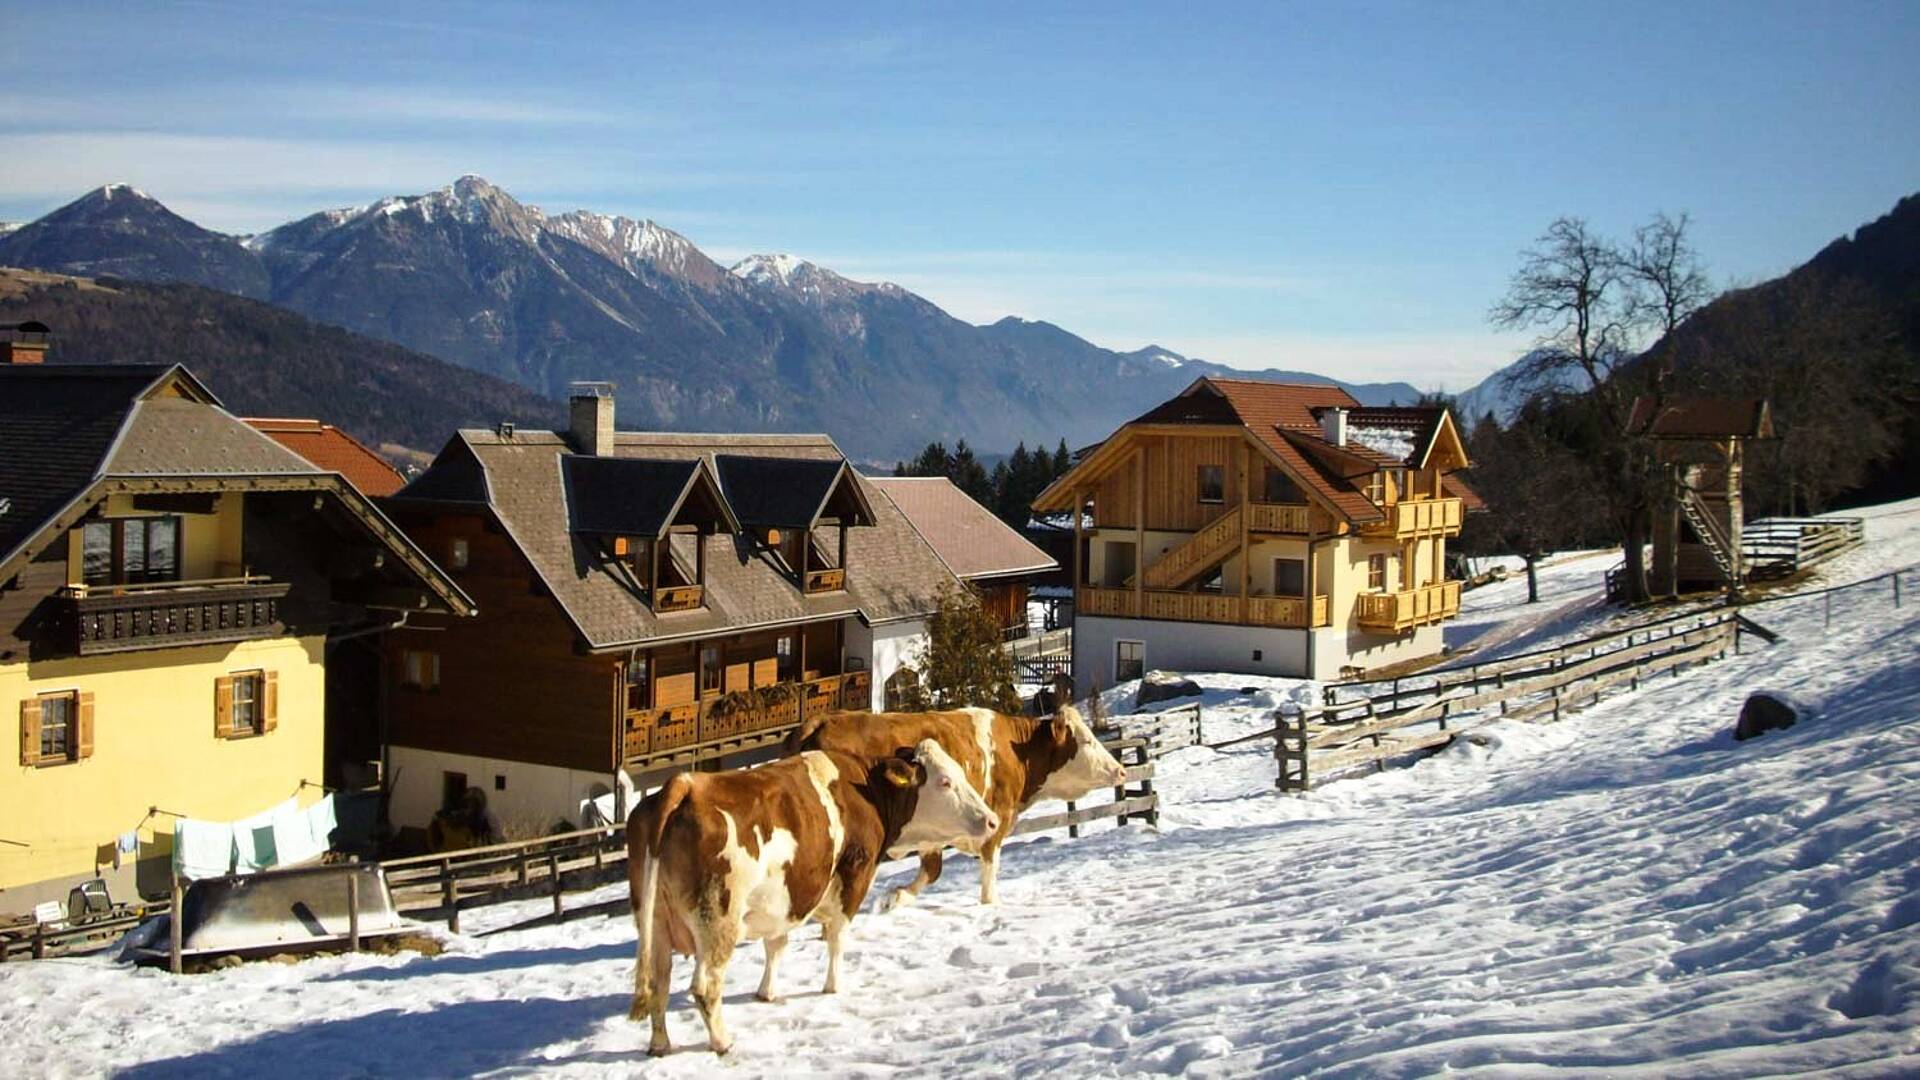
(1275, 611)
(1394, 612)
(825, 581)
(101, 619)
(739, 720)
(679, 598)
(1412, 519)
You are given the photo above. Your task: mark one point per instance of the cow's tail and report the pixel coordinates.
(645, 829)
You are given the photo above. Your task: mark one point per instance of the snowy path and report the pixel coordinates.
(1629, 888)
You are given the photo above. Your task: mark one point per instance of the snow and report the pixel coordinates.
(1393, 442)
(1627, 890)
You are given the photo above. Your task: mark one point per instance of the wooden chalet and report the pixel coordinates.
(649, 601)
(1265, 528)
(171, 582)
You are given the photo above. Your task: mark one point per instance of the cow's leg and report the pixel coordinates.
(833, 928)
(990, 871)
(714, 945)
(661, 974)
(775, 946)
(929, 873)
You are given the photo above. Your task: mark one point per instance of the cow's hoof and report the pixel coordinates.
(769, 998)
(723, 1049)
(900, 898)
(659, 1048)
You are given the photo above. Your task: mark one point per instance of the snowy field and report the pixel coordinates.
(1627, 891)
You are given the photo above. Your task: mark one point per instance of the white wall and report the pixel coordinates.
(535, 796)
(1337, 648)
(1184, 646)
(886, 648)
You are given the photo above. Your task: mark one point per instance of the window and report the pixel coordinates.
(638, 690)
(457, 554)
(1280, 488)
(1129, 660)
(420, 670)
(244, 703)
(1377, 573)
(1119, 564)
(783, 654)
(130, 550)
(710, 669)
(56, 728)
(1213, 483)
(1377, 488)
(1289, 577)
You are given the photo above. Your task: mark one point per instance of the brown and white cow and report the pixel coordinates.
(1014, 761)
(715, 858)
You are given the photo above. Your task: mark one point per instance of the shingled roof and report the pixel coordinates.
(1703, 418)
(67, 431)
(967, 537)
(892, 572)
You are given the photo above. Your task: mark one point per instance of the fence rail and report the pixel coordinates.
(44, 941)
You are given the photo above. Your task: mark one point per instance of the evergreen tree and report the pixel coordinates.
(963, 662)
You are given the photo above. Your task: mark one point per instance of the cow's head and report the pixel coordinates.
(946, 807)
(1084, 764)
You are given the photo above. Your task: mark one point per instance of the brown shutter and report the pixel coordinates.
(83, 723)
(30, 731)
(223, 707)
(270, 701)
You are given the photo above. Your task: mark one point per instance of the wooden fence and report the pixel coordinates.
(440, 887)
(1378, 721)
(1778, 547)
(41, 941)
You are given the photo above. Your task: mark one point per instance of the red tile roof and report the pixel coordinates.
(333, 450)
(1267, 408)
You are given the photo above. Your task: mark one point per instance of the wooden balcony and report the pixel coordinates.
(679, 598)
(1275, 611)
(737, 721)
(1416, 519)
(161, 615)
(1395, 612)
(1280, 518)
(824, 581)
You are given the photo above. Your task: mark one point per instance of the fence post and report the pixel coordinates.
(448, 896)
(1500, 683)
(553, 870)
(353, 910)
(1828, 597)
(175, 917)
(39, 941)
(1896, 589)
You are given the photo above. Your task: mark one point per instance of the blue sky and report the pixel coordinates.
(1340, 188)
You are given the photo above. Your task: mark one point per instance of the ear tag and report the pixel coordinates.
(899, 779)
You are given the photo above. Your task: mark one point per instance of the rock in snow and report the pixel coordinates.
(1766, 711)
(1163, 686)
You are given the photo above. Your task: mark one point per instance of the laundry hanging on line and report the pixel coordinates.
(282, 836)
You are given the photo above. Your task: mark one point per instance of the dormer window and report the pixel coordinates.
(1377, 488)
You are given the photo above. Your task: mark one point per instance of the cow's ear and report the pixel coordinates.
(898, 772)
(1062, 732)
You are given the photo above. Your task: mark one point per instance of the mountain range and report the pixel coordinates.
(470, 275)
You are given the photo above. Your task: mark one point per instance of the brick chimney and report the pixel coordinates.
(1333, 424)
(24, 342)
(590, 417)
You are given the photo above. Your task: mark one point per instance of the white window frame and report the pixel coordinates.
(1117, 643)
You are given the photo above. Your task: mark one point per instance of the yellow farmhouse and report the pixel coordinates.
(169, 580)
(1263, 528)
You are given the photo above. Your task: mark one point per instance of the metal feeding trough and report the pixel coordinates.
(278, 911)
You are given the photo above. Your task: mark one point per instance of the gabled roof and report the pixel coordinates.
(1284, 420)
(68, 432)
(333, 450)
(633, 497)
(973, 543)
(789, 492)
(1703, 418)
(893, 573)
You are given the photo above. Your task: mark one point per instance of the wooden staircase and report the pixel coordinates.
(1203, 551)
(1708, 529)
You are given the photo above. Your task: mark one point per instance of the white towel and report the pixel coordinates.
(302, 835)
(254, 838)
(202, 849)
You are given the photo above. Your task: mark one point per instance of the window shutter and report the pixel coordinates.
(82, 741)
(223, 706)
(30, 731)
(270, 703)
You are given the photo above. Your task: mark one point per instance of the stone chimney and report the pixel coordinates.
(1333, 424)
(590, 417)
(24, 343)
